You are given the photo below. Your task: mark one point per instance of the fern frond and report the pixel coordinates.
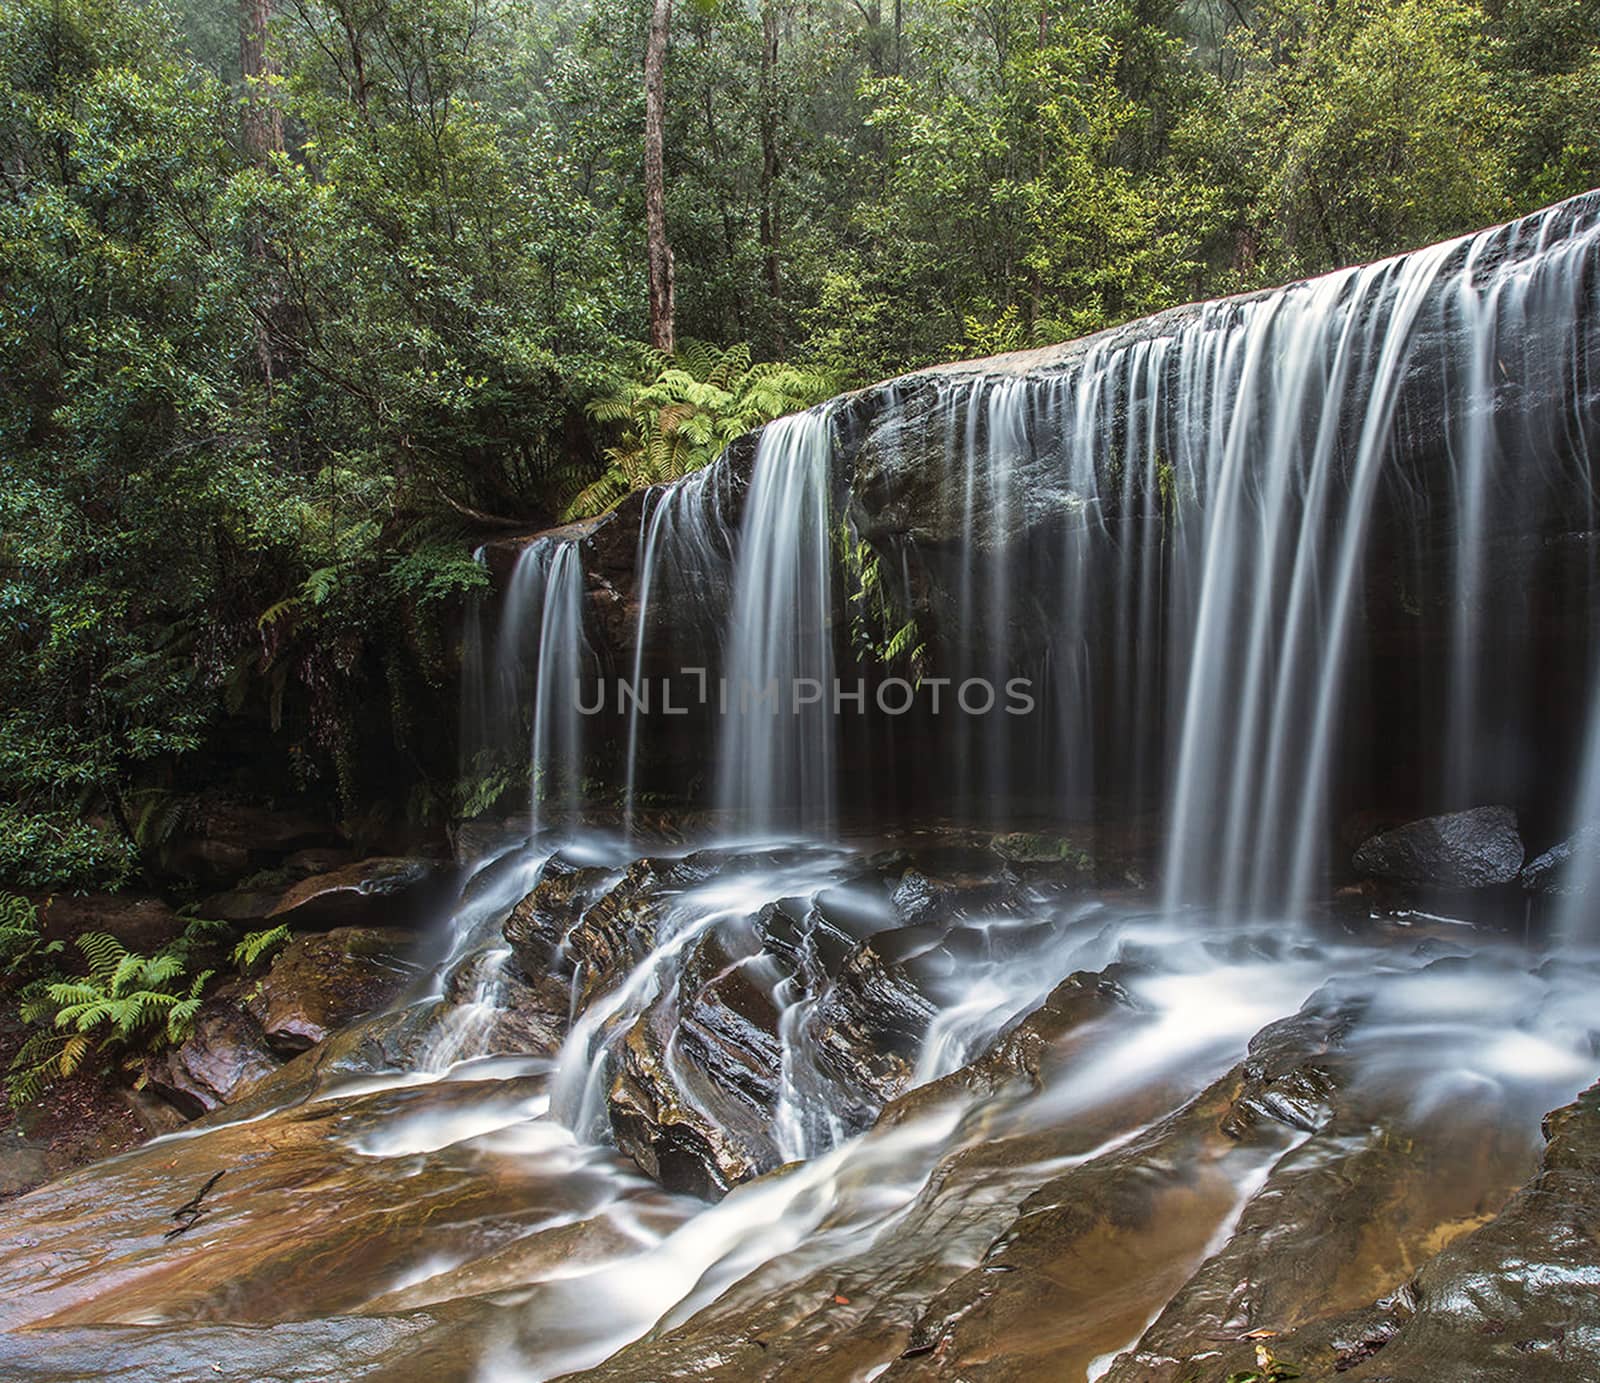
(73, 1051)
(103, 952)
(257, 944)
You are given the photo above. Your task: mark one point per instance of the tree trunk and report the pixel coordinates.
(657, 247)
(261, 134)
(771, 225)
(261, 119)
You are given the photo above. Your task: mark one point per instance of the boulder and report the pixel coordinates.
(386, 891)
(870, 1023)
(538, 926)
(320, 983)
(702, 1121)
(1553, 873)
(1470, 849)
(226, 1054)
(243, 906)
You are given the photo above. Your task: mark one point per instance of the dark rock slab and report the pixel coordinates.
(225, 1055)
(697, 1083)
(870, 1023)
(385, 891)
(322, 982)
(538, 927)
(1470, 849)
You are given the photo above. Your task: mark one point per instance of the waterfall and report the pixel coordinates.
(556, 763)
(1210, 544)
(777, 755)
(682, 561)
(520, 688)
(1270, 567)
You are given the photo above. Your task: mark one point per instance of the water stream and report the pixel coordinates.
(879, 1055)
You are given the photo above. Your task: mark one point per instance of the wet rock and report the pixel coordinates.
(700, 1119)
(1340, 1220)
(916, 897)
(538, 927)
(950, 886)
(804, 937)
(436, 1345)
(870, 1023)
(225, 1055)
(320, 1210)
(1507, 1298)
(1470, 849)
(852, 1313)
(529, 1015)
(1093, 1248)
(1515, 1299)
(1029, 1049)
(1553, 872)
(320, 983)
(616, 930)
(386, 891)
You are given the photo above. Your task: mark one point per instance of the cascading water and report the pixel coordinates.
(557, 725)
(538, 656)
(1052, 1119)
(778, 748)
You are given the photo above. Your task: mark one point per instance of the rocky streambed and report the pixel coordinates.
(952, 1105)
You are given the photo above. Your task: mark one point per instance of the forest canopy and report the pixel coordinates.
(298, 301)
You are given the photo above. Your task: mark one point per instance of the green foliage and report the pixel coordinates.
(255, 411)
(24, 953)
(1375, 124)
(257, 944)
(678, 413)
(879, 631)
(122, 1002)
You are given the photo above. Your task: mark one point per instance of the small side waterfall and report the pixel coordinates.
(556, 760)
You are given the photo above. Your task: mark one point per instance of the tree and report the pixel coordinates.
(658, 247)
(261, 118)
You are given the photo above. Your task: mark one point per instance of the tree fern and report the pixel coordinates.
(678, 413)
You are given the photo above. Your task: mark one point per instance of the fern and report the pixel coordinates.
(157, 815)
(678, 413)
(877, 629)
(126, 1000)
(24, 953)
(257, 944)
